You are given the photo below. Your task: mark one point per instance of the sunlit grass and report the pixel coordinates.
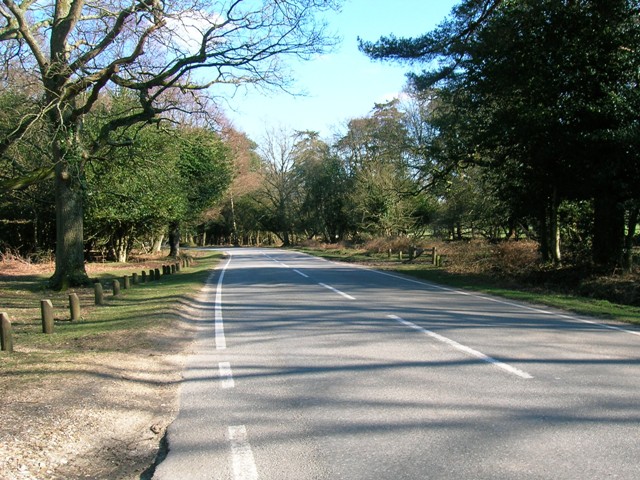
(123, 322)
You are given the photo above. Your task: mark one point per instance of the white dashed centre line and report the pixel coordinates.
(244, 465)
(464, 348)
(226, 376)
(335, 290)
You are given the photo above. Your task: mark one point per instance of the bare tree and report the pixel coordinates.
(161, 50)
(280, 194)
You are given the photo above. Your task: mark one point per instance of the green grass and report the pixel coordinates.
(490, 285)
(124, 322)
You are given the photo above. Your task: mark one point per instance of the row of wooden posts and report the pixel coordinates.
(46, 307)
(415, 252)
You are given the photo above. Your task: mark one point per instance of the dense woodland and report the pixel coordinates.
(523, 123)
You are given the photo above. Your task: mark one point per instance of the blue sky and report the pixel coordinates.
(344, 84)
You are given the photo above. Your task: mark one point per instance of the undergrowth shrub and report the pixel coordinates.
(516, 258)
(384, 244)
(506, 259)
(623, 289)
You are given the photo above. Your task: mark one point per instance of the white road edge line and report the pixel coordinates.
(244, 465)
(464, 348)
(221, 342)
(226, 375)
(345, 295)
(276, 260)
(511, 304)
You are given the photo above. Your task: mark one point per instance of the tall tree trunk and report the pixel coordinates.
(70, 270)
(543, 233)
(554, 228)
(122, 251)
(608, 234)
(174, 239)
(157, 243)
(627, 260)
(234, 226)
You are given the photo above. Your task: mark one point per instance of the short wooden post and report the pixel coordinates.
(157, 273)
(389, 253)
(99, 293)
(46, 308)
(126, 282)
(116, 288)
(177, 266)
(6, 333)
(400, 255)
(74, 307)
(434, 257)
(152, 275)
(144, 276)
(134, 278)
(173, 268)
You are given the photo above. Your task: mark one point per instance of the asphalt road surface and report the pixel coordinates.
(308, 369)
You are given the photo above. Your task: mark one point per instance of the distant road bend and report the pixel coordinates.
(308, 369)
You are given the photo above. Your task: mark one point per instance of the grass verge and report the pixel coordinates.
(487, 284)
(124, 322)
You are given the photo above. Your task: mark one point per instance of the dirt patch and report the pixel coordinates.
(95, 415)
(82, 412)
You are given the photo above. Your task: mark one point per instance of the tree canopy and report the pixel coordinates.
(71, 51)
(544, 90)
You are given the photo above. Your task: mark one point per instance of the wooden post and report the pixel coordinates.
(74, 307)
(99, 293)
(157, 273)
(126, 282)
(400, 255)
(152, 275)
(134, 278)
(116, 288)
(144, 276)
(46, 308)
(6, 333)
(177, 266)
(434, 258)
(173, 268)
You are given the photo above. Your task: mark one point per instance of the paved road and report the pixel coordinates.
(307, 369)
